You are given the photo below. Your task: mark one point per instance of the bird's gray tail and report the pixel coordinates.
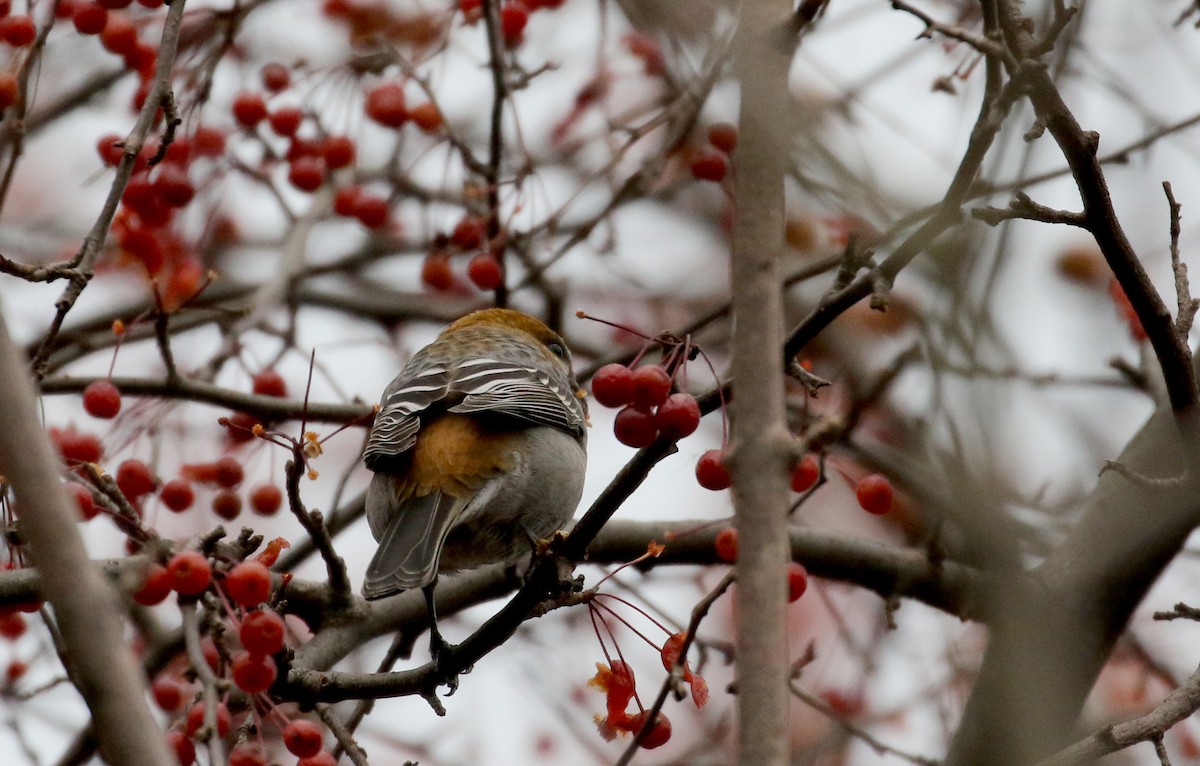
(410, 535)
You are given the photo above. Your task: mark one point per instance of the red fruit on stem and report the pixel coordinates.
(323, 758)
(285, 120)
(875, 494)
(195, 719)
(184, 748)
(635, 427)
(275, 77)
(89, 19)
(436, 273)
(468, 233)
(307, 173)
(168, 691)
(156, 586)
(386, 104)
(76, 447)
(709, 165)
(134, 479)
(248, 583)
(240, 428)
(83, 499)
(723, 136)
(303, 738)
(262, 632)
(17, 31)
(190, 572)
(514, 16)
(227, 505)
(612, 385)
(427, 117)
(120, 36)
(247, 754)
(678, 416)
(266, 500)
(269, 383)
(338, 151)
(174, 187)
(726, 545)
(485, 271)
(345, 199)
(229, 472)
(806, 473)
(12, 626)
(659, 729)
(177, 495)
(253, 673)
(711, 472)
(372, 211)
(101, 399)
(9, 90)
(249, 109)
(209, 141)
(651, 386)
(109, 150)
(797, 577)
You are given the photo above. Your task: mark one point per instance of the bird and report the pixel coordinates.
(478, 449)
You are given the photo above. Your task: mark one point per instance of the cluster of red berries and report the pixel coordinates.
(469, 235)
(711, 162)
(648, 408)
(12, 627)
(726, 546)
(514, 16)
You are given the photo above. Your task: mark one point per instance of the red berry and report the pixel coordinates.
(371, 211)
(678, 416)
(15, 670)
(723, 136)
(709, 165)
(109, 150)
(651, 386)
(174, 187)
(177, 495)
(323, 758)
(711, 472)
(659, 731)
(17, 31)
(485, 271)
(247, 755)
(436, 273)
(156, 586)
(726, 545)
(12, 626)
(303, 738)
(83, 499)
(285, 120)
(208, 141)
(101, 399)
(90, 19)
(338, 151)
(184, 748)
(190, 572)
(239, 427)
(426, 116)
(134, 479)
(248, 583)
(345, 199)
(9, 89)
(266, 500)
(797, 580)
(78, 447)
(229, 472)
(612, 385)
(468, 233)
(120, 36)
(635, 427)
(875, 494)
(249, 109)
(386, 104)
(514, 16)
(195, 719)
(275, 77)
(227, 504)
(307, 173)
(262, 632)
(253, 673)
(269, 383)
(168, 691)
(806, 473)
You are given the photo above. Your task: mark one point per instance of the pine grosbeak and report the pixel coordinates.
(478, 450)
